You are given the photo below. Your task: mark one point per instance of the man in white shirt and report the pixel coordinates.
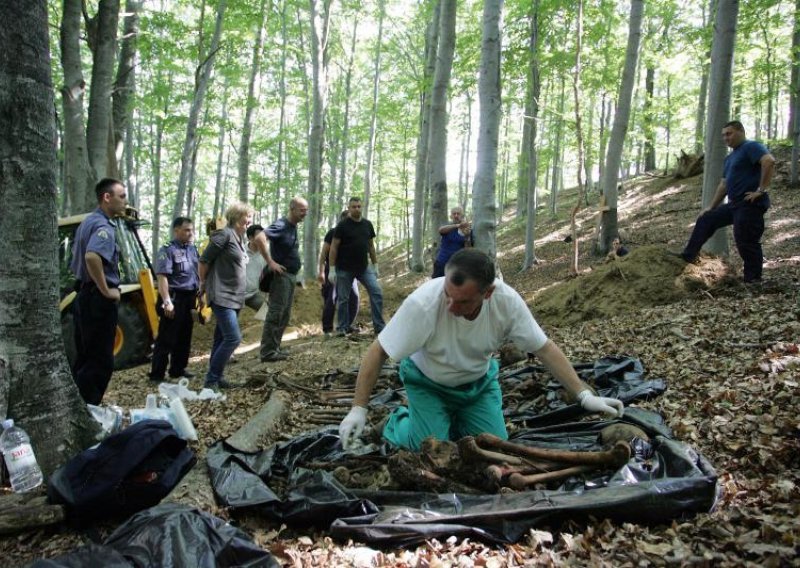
(443, 335)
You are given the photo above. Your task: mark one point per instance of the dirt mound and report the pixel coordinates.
(648, 276)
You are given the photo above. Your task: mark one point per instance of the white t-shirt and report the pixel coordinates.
(255, 264)
(452, 350)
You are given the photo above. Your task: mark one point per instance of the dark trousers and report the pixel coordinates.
(95, 329)
(748, 226)
(174, 337)
(329, 304)
(281, 293)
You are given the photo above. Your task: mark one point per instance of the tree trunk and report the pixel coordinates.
(348, 89)
(437, 140)
(719, 105)
(202, 77)
(609, 217)
(794, 105)
(700, 118)
(483, 189)
(421, 173)
(279, 167)
(78, 175)
(103, 41)
(319, 44)
(252, 103)
(219, 183)
(576, 92)
(557, 150)
(125, 83)
(531, 117)
(647, 120)
(373, 123)
(36, 386)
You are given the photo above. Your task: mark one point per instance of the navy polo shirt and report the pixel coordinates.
(742, 170)
(97, 234)
(178, 262)
(283, 245)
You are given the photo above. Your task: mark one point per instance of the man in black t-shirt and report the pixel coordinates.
(353, 242)
(328, 289)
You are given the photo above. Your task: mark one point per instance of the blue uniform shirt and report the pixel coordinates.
(742, 170)
(178, 262)
(452, 242)
(96, 234)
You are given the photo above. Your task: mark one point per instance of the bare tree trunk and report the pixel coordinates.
(252, 103)
(202, 77)
(373, 123)
(103, 41)
(719, 104)
(700, 118)
(647, 119)
(421, 173)
(794, 105)
(620, 127)
(605, 115)
(320, 19)
(339, 194)
(125, 83)
(36, 386)
(531, 118)
(483, 190)
(78, 174)
(557, 150)
(576, 91)
(437, 140)
(223, 126)
(279, 167)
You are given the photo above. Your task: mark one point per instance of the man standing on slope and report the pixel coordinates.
(746, 177)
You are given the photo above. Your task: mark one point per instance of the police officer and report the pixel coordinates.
(176, 270)
(95, 263)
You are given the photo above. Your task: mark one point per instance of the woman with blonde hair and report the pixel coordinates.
(222, 271)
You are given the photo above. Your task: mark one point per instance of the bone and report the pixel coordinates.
(617, 456)
(468, 449)
(521, 482)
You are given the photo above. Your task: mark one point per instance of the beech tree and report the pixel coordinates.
(483, 190)
(719, 104)
(36, 386)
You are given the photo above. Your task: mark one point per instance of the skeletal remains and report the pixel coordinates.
(486, 462)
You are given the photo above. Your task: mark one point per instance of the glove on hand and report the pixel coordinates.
(600, 404)
(332, 276)
(352, 426)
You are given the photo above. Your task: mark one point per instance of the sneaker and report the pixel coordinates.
(217, 385)
(183, 375)
(273, 357)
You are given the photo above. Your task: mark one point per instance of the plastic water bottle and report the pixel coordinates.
(23, 471)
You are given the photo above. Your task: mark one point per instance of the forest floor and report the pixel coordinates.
(727, 353)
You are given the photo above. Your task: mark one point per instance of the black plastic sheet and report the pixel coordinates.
(664, 480)
(169, 535)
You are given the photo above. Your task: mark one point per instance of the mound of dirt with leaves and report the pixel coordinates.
(649, 276)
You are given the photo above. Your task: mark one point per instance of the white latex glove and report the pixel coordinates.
(600, 404)
(332, 276)
(352, 426)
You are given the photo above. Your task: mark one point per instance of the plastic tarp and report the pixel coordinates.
(169, 535)
(664, 480)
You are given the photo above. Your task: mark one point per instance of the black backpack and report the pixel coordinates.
(125, 473)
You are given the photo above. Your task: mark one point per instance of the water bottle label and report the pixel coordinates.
(19, 458)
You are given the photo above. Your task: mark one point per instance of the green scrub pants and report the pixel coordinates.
(446, 413)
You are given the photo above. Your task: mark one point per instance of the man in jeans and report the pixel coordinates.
(283, 261)
(353, 241)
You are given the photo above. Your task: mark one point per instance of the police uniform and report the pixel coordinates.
(95, 315)
(178, 262)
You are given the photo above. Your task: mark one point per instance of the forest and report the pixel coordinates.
(556, 125)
